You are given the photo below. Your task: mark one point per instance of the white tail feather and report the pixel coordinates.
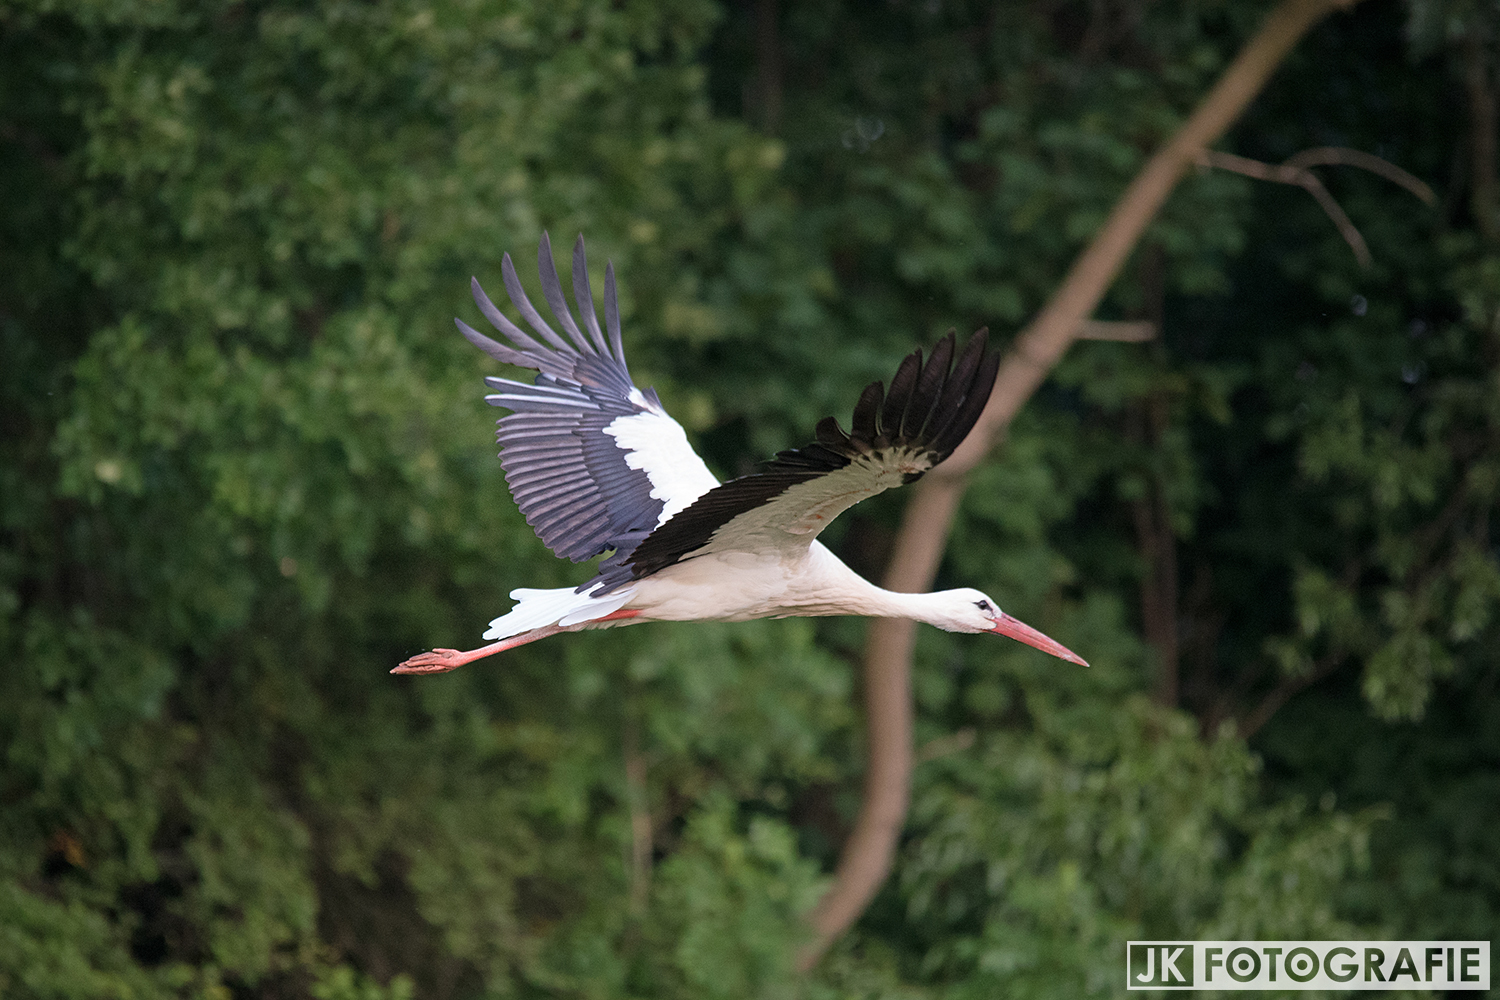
(563, 607)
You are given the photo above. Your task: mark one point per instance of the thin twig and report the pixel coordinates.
(1295, 171)
(1301, 177)
(1247, 724)
(1131, 331)
(1278, 696)
(1338, 156)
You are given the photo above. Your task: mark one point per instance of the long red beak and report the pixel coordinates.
(1020, 631)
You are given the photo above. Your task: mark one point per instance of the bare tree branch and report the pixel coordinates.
(1338, 156)
(1250, 724)
(1303, 178)
(867, 855)
(1295, 171)
(1134, 331)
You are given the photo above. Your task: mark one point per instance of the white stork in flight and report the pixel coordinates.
(597, 465)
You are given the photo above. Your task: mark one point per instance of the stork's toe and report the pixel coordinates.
(436, 662)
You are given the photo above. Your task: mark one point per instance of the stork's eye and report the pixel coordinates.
(983, 606)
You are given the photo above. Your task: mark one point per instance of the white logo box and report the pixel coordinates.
(1307, 965)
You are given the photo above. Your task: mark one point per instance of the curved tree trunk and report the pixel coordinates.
(870, 849)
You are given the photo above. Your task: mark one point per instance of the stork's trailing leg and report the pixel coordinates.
(442, 660)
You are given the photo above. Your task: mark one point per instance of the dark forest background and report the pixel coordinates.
(245, 469)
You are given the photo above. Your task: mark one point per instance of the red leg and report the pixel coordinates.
(442, 660)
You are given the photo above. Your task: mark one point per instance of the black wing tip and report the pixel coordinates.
(931, 406)
(480, 296)
(898, 398)
(970, 385)
(488, 345)
(575, 351)
(830, 435)
(864, 427)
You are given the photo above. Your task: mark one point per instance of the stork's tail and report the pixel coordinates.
(562, 607)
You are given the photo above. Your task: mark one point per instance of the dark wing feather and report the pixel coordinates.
(865, 423)
(894, 438)
(903, 384)
(594, 463)
(930, 382)
(583, 294)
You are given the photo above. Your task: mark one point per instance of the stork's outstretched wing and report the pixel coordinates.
(895, 437)
(593, 462)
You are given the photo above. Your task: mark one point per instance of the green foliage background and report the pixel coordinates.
(246, 470)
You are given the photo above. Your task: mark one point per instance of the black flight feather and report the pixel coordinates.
(929, 386)
(553, 292)
(528, 311)
(903, 384)
(612, 313)
(583, 296)
(865, 424)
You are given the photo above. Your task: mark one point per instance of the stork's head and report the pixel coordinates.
(970, 610)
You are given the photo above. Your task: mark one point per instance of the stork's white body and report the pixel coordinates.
(739, 586)
(734, 586)
(597, 465)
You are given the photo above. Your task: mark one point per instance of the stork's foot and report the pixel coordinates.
(439, 661)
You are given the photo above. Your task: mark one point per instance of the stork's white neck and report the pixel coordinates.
(835, 589)
(877, 602)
